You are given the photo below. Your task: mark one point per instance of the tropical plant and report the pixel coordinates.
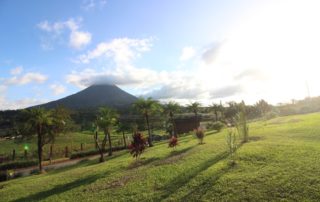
(241, 123)
(123, 128)
(173, 142)
(170, 109)
(137, 145)
(194, 107)
(200, 135)
(232, 145)
(147, 107)
(106, 119)
(39, 121)
(216, 109)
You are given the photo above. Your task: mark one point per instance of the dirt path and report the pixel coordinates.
(53, 166)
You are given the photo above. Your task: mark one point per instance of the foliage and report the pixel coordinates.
(200, 135)
(137, 145)
(241, 123)
(107, 118)
(194, 107)
(218, 125)
(173, 142)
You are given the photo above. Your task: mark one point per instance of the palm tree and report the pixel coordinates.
(39, 120)
(171, 108)
(216, 108)
(147, 107)
(194, 107)
(123, 128)
(60, 118)
(107, 118)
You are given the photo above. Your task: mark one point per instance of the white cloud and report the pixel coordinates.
(16, 71)
(121, 50)
(187, 53)
(57, 89)
(77, 39)
(92, 4)
(30, 77)
(18, 104)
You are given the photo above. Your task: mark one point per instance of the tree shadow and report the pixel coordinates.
(185, 177)
(142, 162)
(60, 189)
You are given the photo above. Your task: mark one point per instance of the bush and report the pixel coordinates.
(173, 142)
(218, 125)
(200, 135)
(18, 164)
(137, 145)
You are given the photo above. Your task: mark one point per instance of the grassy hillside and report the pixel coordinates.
(280, 162)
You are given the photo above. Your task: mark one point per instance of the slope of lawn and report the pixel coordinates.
(280, 162)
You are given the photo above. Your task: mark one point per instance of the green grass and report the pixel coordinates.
(279, 163)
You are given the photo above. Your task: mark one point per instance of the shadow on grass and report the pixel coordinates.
(59, 189)
(142, 162)
(212, 132)
(207, 184)
(185, 177)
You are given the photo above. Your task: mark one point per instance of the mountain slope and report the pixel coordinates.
(95, 96)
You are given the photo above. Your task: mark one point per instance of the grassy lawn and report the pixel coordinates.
(279, 163)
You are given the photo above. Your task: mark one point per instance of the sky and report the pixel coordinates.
(183, 50)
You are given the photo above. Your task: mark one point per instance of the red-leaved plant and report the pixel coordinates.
(173, 142)
(137, 145)
(200, 135)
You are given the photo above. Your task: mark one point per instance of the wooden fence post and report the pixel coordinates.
(13, 154)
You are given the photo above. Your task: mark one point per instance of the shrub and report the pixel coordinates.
(137, 145)
(18, 164)
(218, 125)
(200, 135)
(232, 145)
(173, 142)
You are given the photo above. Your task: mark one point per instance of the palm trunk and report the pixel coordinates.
(39, 131)
(100, 151)
(110, 143)
(174, 125)
(149, 132)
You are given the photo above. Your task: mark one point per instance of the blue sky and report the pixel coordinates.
(179, 50)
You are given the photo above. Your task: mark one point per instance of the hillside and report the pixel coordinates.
(95, 96)
(279, 163)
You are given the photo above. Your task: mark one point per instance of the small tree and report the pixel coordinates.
(123, 127)
(146, 107)
(232, 145)
(200, 135)
(173, 142)
(137, 145)
(106, 119)
(171, 108)
(40, 122)
(241, 123)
